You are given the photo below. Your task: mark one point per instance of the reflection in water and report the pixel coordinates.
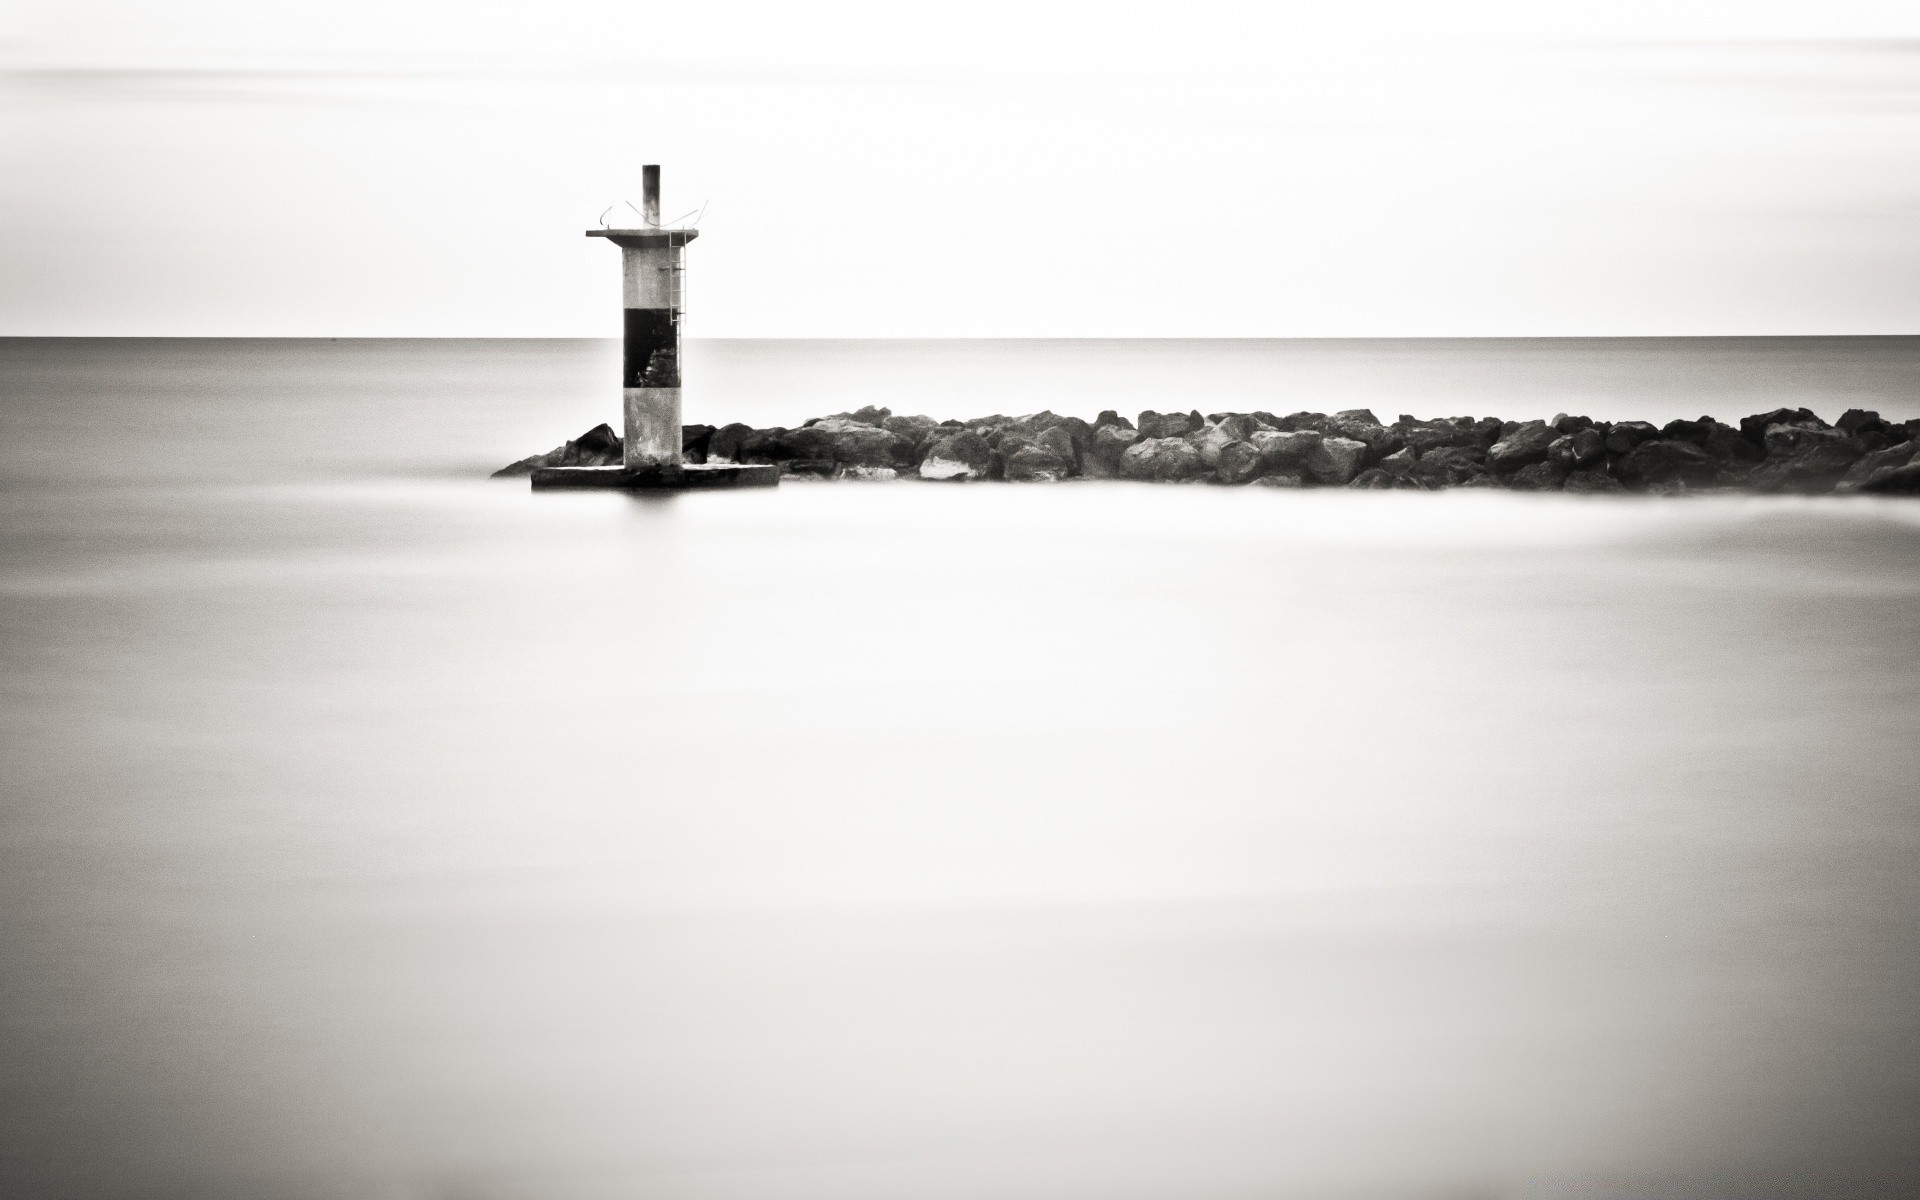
(376, 837)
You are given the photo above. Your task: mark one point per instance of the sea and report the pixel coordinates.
(375, 830)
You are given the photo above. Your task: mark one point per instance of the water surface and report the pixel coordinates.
(373, 830)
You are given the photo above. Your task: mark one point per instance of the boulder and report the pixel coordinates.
(1804, 459)
(1894, 481)
(1375, 478)
(1178, 425)
(724, 445)
(1336, 460)
(694, 441)
(1543, 476)
(1662, 463)
(866, 474)
(1109, 417)
(1400, 463)
(1038, 464)
(1423, 436)
(1725, 443)
(1066, 441)
(1871, 464)
(1625, 436)
(1359, 424)
(765, 446)
(1577, 450)
(1238, 462)
(1281, 451)
(914, 429)
(1210, 440)
(1282, 479)
(849, 442)
(1591, 483)
(1162, 460)
(1522, 446)
(597, 447)
(1754, 428)
(1103, 456)
(959, 456)
(1450, 466)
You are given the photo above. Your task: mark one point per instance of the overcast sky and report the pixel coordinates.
(379, 167)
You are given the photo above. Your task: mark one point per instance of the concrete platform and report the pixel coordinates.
(687, 478)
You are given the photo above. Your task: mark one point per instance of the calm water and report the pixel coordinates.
(373, 830)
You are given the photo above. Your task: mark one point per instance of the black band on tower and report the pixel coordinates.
(651, 357)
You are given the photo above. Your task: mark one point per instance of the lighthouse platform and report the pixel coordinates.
(686, 477)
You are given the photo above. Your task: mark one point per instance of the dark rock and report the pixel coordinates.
(1109, 417)
(694, 441)
(1400, 463)
(1061, 441)
(1725, 443)
(869, 415)
(1423, 436)
(1103, 456)
(823, 468)
(1872, 463)
(1178, 425)
(1238, 462)
(597, 447)
(765, 446)
(959, 456)
(1359, 424)
(1660, 462)
(724, 445)
(1856, 420)
(1577, 450)
(1626, 435)
(1543, 476)
(1374, 478)
(1754, 428)
(1281, 451)
(1687, 431)
(1486, 431)
(1162, 460)
(1210, 440)
(1591, 483)
(1078, 431)
(1038, 464)
(848, 442)
(1450, 466)
(1521, 446)
(1281, 479)
(1804, 459)
(914, 429)
(1571, 425)
(1336, 460)
(1894, 481)
(1011, 440)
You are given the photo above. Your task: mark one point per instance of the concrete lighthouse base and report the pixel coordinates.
(689, 477)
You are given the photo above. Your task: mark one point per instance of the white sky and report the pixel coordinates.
(379, 167)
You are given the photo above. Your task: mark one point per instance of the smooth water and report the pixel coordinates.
(375, 830)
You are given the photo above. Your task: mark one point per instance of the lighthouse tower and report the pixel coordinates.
(653, 271)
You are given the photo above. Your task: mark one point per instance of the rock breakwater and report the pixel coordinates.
(1783, 451)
